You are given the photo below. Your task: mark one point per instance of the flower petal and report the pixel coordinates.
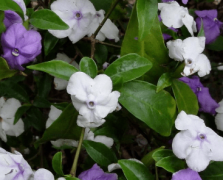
(219, 121)
(60, 84)
(202, 65)
(54, 112)
(104, 140)
(188, 21)
(175, 49)
(9, 108)
(43, 174)
(83, 122)
(13, 130)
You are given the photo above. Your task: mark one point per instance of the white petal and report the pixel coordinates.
(202, 65)
(79, 31)
(60, 33)
(83, 122)
(9, 108)
(113, 167)
(54, 112)
(77, 103)
(64, 6)
(60, 84)
(43, 174)
(88, 134)
(49, 122)
(175, 49)
(105, 140)
(188, 21)
(110, 30)
(86, 6)
(2, 133)
(65, 58)
(2, 102)
(219, 121)
(220, 108)
(12, 130)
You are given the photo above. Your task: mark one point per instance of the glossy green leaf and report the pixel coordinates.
(185, 98)
(164, 81)
(129, 67)
(20, 111)
(135, 171)
(213, 171)
(157, 110)
(146, 13)
(5, 71)
(57, 163)
(55, 68)
(162, 153)
(151, 47)
(49, 42)
(100, 153)
(217, 45)
(88, 66)
(11, 5)
(47, 19)
(117, 82)
(64, 127)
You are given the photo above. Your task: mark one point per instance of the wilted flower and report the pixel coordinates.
(61, 84)
(186, 174)
(97, 173)
(93, 98)
(211, 24)
(108, 30)
(7, 114)
(174, 15)
(43, 174)
(207, 104)
(77, 14)
(190, 50)
(219, 116)
(196, 143)
(20, 46)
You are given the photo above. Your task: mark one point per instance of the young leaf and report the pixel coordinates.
(151, 106)
(46, 19)
(100, 153)
(5, 71)
(164, 81)
(129, 67)
(21, 110)
(57, 163)
(88, 66)
(56, 68)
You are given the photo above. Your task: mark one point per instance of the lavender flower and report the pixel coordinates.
(20, 46)
(211, 24)
(97, 173)
(186, 174)
(207, 104)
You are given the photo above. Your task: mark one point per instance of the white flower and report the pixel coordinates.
(14, 166)
(220, 67)
(77, 14)
(174, 15)
(108, 30)
(219, 116)
(7, 114)
(190, 50)
(61, 84)
(43, 174)
(22, 4)
(93, 98)
(53, 115)
(196, 143)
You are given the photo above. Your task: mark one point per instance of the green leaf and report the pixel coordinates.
(11, 5)
(46, 19)
(102, 4)
(217, 45)
(20, 111)
(49, 42)
(41, 102)
(129, 67)
(117, 82)
(101, 53)
(57, 163)
(100, 153)
(56, 68)
(61, 106)
(201, 32)
(213, 172)
(44, 86)
(2, 25)
(5, 71)
(164, 81)
(135, 171)
(64, 127)
(185, 98)
(88, 66)
(146, 13)
(162, 153)
(151, 47)
(151, 106)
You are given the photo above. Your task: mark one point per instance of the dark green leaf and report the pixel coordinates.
(61, 106)
(41, 102)
(57, 163)
(151, 106)
(129, 67)
(56, 68)
(102, 4)
(100, 153)
(117, 82)
(217, 45)
(101, 53)
(185, 98)
(47, 19)
(49, 42)
(21, 110)
(44, 86)
(5, 71)
(164, 81)
(2, 25)
(135, 171)
(88, 66)
(213, 172)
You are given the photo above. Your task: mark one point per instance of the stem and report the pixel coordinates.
(74, 166)
(100, 42)
(157, 178)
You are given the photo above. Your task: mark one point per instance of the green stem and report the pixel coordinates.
(74, 166)
(157, 177)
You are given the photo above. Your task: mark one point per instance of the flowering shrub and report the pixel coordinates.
(111, 90)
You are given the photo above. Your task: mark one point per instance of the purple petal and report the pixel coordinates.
(167, 0)
(212, 33)
(11, 17)
(186, 174)
(207, 13)
(166, 36)
(184, 1)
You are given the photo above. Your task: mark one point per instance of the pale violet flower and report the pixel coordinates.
(43, 174)
(175, 16)
(196, 143)
(77, 14)
(219, 116)
(190, 51)
(61, 84)
(7, 114)
(93, 98)
(108, 30)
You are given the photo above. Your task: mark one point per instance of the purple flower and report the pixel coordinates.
(20, 46)
(207, 104)
(211, 24)
(186, 174)
(97, 173)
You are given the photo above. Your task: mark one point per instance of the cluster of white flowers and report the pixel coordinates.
(82, 19)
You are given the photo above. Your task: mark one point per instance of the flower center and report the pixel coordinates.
(201, 136)
(15, 52)
(98, 15)
(91, 103)
(199, 88)
(78, 15)
(189, 61)
(215, 19)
